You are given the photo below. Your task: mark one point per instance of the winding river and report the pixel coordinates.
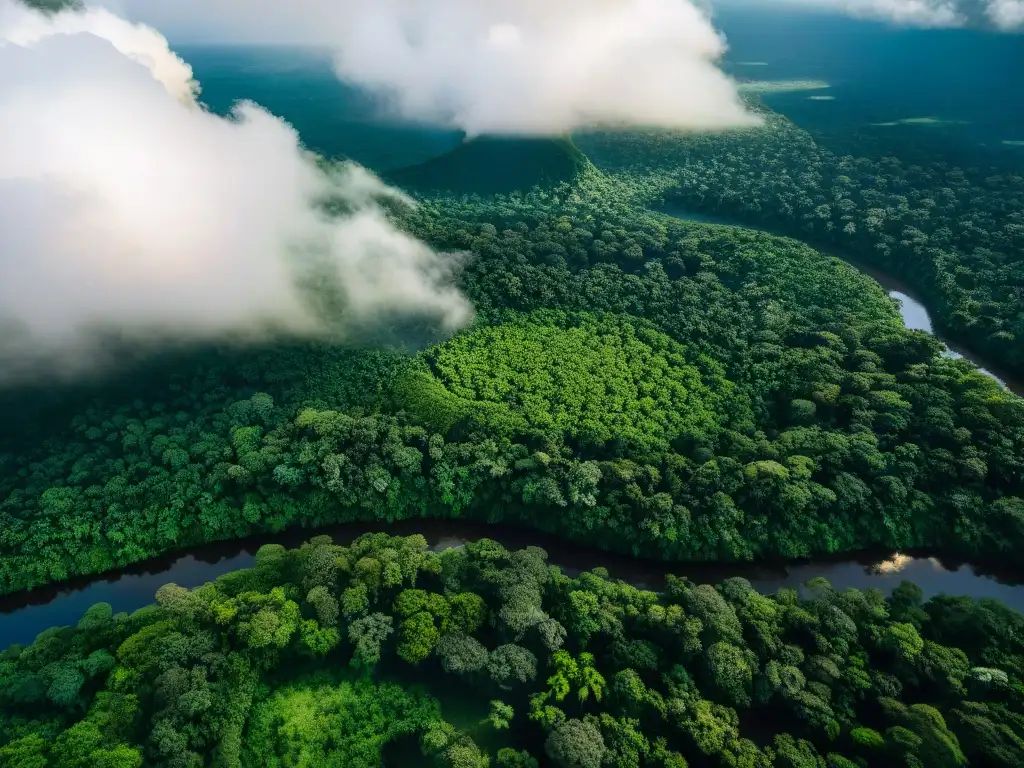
(912, 310)
(24, 615)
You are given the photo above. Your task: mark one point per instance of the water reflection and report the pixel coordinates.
(895, 564)
(916, 317)
(25, 615)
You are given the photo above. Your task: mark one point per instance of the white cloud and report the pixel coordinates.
(926, 13)
(127, 209)
(919, 13)
(1006, 14)
(144, 45)
(503, 66)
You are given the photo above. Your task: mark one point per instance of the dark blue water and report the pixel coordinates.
(879, 73)
(25, 615)
(332, 118)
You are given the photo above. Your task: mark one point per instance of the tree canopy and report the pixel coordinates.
(450, 659)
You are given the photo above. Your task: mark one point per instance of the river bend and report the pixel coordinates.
(24, 615)
(915, 315)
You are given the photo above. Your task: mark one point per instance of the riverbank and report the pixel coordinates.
(911, 306)
(24, 615)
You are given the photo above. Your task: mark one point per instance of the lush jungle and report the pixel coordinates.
(633, 380)
(383, 653)
(674, 389)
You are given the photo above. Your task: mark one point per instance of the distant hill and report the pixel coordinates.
(52, 6)
(493, 165)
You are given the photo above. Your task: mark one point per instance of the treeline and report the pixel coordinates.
(955, 234)
(383, 653)
(682, 391)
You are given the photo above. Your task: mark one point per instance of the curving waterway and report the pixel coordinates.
(915, 315)
(25, 615)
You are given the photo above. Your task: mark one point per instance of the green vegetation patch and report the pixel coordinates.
(323, 721)
(494, 165)
(594, 378)
(576, 672)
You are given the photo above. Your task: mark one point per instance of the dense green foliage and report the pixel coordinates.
(955, 234)
(570, 672)
(493, 165)
(592, 379)
(631, 380)
(350, 723)
(813, 421)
